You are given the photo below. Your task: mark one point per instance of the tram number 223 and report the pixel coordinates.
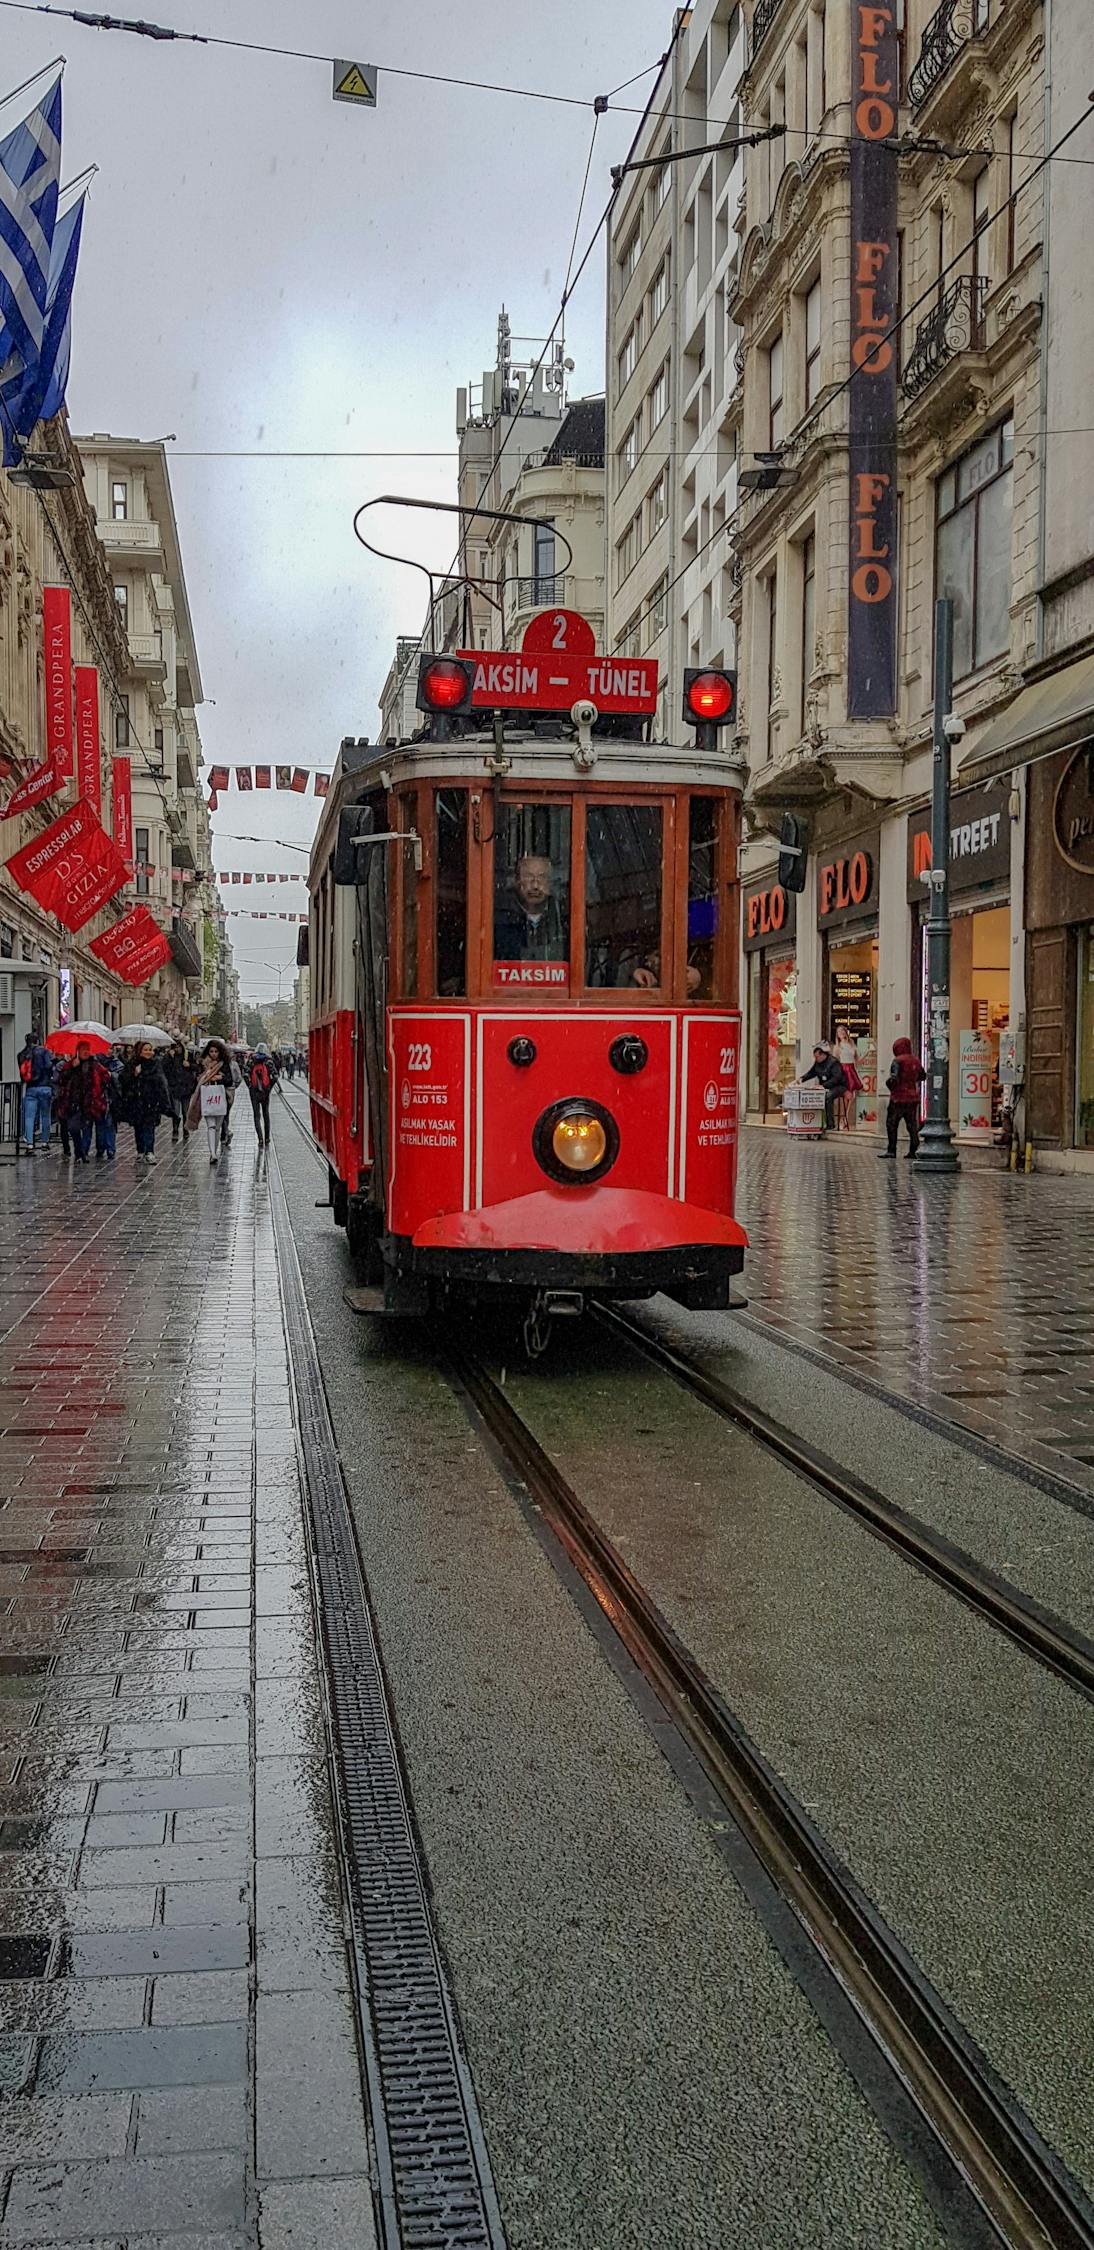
(419, 1056)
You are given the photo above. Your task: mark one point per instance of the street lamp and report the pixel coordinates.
(276, 972)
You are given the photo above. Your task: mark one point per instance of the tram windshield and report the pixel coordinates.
(623, 895)
(532, 894)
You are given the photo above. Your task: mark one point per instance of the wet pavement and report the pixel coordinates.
(177, 2043)
(969, 1295)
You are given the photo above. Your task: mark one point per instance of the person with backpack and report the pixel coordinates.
(261, 1074)
(35, 1065)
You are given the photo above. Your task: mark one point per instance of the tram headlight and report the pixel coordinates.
(576, 1141)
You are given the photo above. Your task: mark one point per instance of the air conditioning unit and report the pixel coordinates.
(7, 993)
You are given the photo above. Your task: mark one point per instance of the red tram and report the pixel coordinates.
(525, 1042)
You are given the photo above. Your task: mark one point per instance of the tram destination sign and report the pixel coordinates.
(546, 680)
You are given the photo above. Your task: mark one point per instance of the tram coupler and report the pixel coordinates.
(562, 1304)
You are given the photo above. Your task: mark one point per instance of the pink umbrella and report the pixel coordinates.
(73, 1035)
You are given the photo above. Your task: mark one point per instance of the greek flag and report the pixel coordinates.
(30, 173)
(38, 393)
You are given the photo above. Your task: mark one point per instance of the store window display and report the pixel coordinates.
(852, 1019)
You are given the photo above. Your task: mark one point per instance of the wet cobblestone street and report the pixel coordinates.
(972, 1296)
(169, 1898)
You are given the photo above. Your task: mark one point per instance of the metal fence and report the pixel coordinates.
(11, 1091)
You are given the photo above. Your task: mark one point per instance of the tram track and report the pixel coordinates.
(1019, 2186)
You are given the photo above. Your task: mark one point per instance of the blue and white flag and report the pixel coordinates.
(30, 176)
(36, 395)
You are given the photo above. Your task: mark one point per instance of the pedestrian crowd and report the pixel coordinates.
(834, 1069)
(93, 1085)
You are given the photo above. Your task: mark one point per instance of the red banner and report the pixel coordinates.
(89, 772)
(135, 948)
(41, 783)
(123, 811)
(72, 868)
(57, 636)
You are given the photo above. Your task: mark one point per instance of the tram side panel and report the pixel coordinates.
(336, 1067)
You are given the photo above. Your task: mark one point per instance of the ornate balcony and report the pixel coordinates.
(956, 325)
(950, 29)
(533, 593)
(763, 16)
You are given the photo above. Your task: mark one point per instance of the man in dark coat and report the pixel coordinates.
(829, 1072)
(143, 1099)
(82, 1098)
(906, 1076)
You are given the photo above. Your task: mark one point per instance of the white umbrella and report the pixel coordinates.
(135, 1035)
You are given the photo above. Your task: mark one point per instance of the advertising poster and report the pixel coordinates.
(974, 1095)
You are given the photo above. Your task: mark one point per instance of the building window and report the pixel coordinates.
(658, 503)
(119, 500)
(1010, 151)
(658, 616)
(628, 452)
(141, 855)
(631, 255)
(630, 640)
(981, 219)
(121, 724)
(659, 398)
(813, 343)
(121, 596)
(628, 549)
(659, 294)
(662, 185)
(775, 392)
(972, 549)
(544, 555)
(809, 621)
(157, 738)
(628, 357)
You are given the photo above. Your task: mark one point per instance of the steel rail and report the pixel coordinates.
(1038, 1632)
(1029, 2198)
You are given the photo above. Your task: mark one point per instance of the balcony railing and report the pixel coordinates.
(763, 17)
(950, 29)
(956, 325)
(533, 593)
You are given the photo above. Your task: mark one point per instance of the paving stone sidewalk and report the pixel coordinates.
(970, 1295)
(178, 2052)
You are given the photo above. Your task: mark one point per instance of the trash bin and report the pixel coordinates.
(803, 1111)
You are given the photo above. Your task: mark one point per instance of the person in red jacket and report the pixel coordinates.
(906, 1076)
(82, 1098)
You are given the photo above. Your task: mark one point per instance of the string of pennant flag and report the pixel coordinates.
(255, 914)
(236, 876)
(294, 778)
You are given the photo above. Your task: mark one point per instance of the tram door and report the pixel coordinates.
(364, 864)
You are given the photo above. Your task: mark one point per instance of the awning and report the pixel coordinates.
(1053, 714)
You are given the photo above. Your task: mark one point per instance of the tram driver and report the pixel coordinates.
(528, 925)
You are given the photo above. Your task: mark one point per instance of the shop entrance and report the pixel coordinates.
(979, 1014)
(773, 1020)
(852, 1005)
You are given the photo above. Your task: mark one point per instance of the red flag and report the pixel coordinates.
(126, 938)
(262, 777)
(41, 783)
(72, 868)
(247, 878)
(218, 778)
(89, 770)
(57, 637)
(284, 776)
(299, 779)
(243, 777)
(123, 811)
(322, 784)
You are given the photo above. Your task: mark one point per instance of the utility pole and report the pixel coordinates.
(936, 1150)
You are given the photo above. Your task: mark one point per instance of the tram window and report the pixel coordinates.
(451, 890)
(702, 896)
(623, 895)
(532, 893)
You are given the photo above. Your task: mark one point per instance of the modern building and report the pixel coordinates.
(155, 720)
(554, 557)
(48, 539)
(936, 468)
(674, 363)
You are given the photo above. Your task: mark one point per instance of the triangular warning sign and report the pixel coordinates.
(355, 82)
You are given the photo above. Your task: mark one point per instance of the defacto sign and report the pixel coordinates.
(872, 403)
(979, 843)
(770, 914)
(847, 886)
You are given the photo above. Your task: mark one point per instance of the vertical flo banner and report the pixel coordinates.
(123, 811)
(57, 638)
(872, 406)
(89, 772)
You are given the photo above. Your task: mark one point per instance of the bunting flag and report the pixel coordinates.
(262, 777)
(293, 778)
(72, 868)
(252, 914)
(270, 876)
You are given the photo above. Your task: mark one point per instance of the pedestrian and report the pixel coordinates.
(847, 1054)
(260, 1073)
(181, 1079)
(216, 1071)
(60, 1063)
(82, 1098)
(290, 1066)
(906, 1076)
(143, 1099)
(106, 1128)
(35, 1066)
(828, 1072)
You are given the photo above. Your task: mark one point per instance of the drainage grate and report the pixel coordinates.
(436, 2191)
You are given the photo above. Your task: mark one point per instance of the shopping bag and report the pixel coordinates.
(214, 1101)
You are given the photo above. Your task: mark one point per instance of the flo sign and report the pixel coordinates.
(872, 403)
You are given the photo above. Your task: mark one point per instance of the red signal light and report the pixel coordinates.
(443, 685)
(710, 696)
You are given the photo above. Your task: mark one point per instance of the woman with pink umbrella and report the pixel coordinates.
(81, 1100)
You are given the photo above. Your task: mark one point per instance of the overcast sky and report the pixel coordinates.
(263, 268)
